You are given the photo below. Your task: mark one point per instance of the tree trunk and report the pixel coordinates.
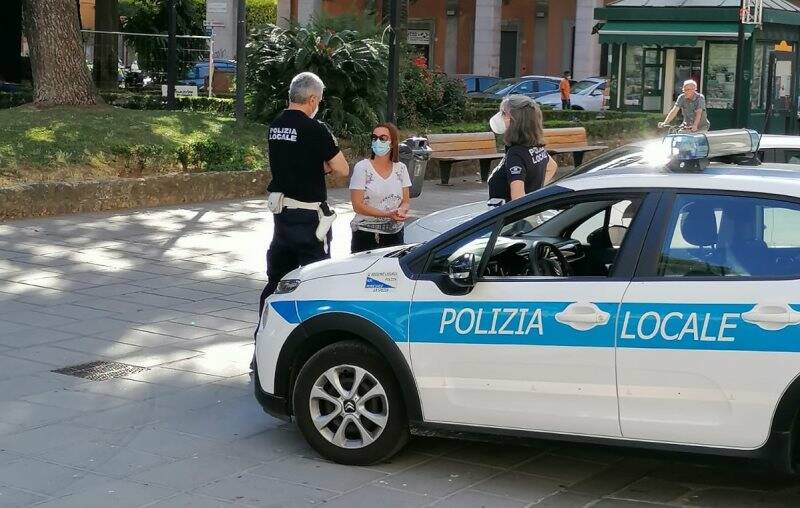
(106, 19)
(60, 74)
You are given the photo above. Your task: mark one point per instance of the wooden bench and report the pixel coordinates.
(482, 146)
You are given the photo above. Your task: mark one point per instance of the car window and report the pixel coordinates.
(582, 86)
(791, 156)
(525, 87)
(620, 216)
(731, 236)
(501, 87)
(547, 86)
(484, 83)
(588, 234)
(470, 84)
(474, 243)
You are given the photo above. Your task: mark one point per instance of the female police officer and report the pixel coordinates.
(527, 166)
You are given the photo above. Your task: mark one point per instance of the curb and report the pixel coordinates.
(58, 198)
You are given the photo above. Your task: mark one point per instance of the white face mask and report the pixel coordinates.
(497, 124)
(316, 110)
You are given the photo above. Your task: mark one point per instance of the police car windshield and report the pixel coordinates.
(529, 224)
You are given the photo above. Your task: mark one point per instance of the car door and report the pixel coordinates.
(518, 350)
(708, 330)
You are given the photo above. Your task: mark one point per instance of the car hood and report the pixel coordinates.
(353, 263)
(447, 219)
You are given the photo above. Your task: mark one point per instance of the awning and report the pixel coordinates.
(678, 33)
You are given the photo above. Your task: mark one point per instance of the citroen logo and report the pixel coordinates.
(349, 407)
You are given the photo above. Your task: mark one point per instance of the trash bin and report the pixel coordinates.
(414, 153)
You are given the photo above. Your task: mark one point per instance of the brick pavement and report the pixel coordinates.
(174, 289)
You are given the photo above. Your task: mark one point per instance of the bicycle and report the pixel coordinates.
(682, 128)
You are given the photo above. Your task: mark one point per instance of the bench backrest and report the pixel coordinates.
(457, 145)
(565, 137)
(481, 143)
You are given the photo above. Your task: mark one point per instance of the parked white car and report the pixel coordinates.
(773, 148)
(654, 305)
(585, 95)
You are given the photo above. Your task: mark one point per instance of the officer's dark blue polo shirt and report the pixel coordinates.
(299, 146)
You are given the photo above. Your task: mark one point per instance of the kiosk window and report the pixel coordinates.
(721, 80)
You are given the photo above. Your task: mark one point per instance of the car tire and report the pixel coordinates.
(353, 425)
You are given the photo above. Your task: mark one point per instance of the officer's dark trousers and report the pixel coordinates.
(294, 244)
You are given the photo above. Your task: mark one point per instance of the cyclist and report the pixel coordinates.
(692, 106)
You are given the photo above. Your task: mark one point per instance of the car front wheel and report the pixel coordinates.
(348, 405)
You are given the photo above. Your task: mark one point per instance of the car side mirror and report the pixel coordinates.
(463, 271)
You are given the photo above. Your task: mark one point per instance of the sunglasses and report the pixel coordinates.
(382, 137)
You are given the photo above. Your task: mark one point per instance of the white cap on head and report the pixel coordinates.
(690, 82)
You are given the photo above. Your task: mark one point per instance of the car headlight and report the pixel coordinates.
(287, 286)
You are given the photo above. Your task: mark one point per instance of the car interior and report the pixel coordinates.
(732, 236)
(577, 239)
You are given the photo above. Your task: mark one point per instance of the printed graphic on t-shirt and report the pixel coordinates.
(283, 134)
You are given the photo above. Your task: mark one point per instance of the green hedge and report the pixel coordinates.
(156, 102)
(616, 124)
(482, 111)
(199, 155)
(137, 100)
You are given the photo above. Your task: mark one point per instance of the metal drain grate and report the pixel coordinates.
(100, 370)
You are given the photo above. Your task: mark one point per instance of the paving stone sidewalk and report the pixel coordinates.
(175, 290)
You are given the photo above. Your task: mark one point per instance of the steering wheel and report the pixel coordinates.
(545, 259)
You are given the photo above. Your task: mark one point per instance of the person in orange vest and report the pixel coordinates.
(564, 88)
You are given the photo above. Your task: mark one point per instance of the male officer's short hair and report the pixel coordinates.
(303, 86)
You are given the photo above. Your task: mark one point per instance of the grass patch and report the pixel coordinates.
(97, 142)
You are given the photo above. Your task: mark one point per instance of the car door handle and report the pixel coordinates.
(582, 316)
(772, 317)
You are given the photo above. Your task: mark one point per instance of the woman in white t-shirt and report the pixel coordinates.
(379, 189)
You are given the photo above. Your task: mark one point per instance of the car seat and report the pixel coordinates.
(698, 225)
(743, 251)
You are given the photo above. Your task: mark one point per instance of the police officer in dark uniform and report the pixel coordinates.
(301, 152)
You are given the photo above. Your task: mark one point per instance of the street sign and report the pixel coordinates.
(217, 7)
(181, 91)
(419, 37)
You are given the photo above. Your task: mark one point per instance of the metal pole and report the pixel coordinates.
(172, 52)
(210, 66)
(740, 94)
(394, 62)
(241, 62)
(770, 91)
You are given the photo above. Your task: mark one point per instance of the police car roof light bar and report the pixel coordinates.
(691, 151)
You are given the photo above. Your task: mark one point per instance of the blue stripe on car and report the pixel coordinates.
(637, 325)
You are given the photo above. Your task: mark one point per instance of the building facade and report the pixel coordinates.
(654, 46)
(502, 38)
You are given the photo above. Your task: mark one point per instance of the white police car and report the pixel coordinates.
(632, 306)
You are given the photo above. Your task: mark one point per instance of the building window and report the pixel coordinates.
(758, 85)
(721, 77)
(632, 90)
